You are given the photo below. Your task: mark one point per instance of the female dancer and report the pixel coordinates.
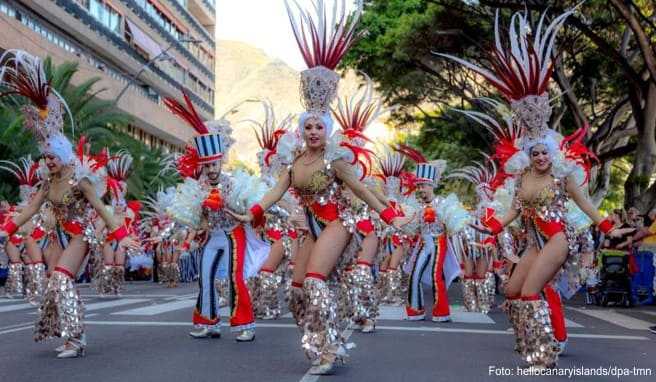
(279, 230)
(549, 171)
(354, 114)
(70, 189)
(28, 278)
(477, 254)
(318, 174)
(112, 275)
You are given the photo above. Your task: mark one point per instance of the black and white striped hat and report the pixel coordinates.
(209, 147)
(429, 172)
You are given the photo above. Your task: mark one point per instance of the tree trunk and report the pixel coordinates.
(637, 190)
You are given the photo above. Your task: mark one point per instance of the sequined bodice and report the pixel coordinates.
(548, 204)
(323, 187)
(72, 207)
(430, 228)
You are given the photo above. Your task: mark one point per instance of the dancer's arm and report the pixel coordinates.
(26, 214)
(118, 230)
(344, 171)
(271, 197)
(581, 200)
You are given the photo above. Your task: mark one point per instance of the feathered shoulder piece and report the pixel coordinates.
(91, 167)
(187, 112)
(268, 133)
(27, 174)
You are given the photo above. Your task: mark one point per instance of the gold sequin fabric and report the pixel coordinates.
(14, 285)
(265, 296)
(61, 313)
(104, 280)
(469, 299)
(482, 295)
(541, 346)
(396, 290)
(296, 304)
(321, 337)
(490, 286)
(513, 310)
(382, 287)
(363, 294)
(36, 282)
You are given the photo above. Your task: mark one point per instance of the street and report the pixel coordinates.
(143, 336)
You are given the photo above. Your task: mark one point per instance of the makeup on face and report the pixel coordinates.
(314, 133)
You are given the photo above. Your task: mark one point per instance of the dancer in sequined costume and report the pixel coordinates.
(479, 249)
(110, 278)
(279, 229)
(28, 278)
(71, 190)
(433, 260)
(232, 249)
(354, 114)
(549, 173)
(322, 164)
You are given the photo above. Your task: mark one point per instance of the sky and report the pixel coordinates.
(263, 24)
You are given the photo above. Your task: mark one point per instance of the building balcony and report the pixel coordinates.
(25, 31)
(204, 11)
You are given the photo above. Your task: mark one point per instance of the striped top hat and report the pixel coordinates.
(430, 172)
(209, 145)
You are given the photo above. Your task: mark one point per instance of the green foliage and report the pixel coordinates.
(93, 117)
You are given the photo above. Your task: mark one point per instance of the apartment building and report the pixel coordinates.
(142, 50)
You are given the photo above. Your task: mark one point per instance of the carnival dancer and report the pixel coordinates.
(71, 190)
(110, 279)
(550, 175)
(203, 203)
(279, 229)
(433, 260)
(479, 249)
(29, 237)
(354, 114)
(398, 187)
(319, 172)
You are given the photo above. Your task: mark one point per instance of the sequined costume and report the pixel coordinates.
(433, 260)
(232, 249)
(524, 83)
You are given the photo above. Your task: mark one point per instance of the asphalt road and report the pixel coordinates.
(142, 336)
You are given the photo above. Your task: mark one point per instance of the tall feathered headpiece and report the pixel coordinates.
(482, 176)
(26, 172)
(213, 137)
(521, 67)
(323, 38)
(119, 166)
(24, 74)
(354, 114)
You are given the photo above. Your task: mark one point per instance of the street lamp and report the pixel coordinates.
(162, 56)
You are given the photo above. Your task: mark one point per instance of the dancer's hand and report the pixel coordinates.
(481, 228)
(399, 221)
(244, 218)
(129, 242)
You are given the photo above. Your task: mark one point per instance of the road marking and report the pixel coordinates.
(571, 324)
(458, 314)
(313, 378)
(158, 308)
(615, 318)
(393, 328)
(109, 304)
(113, 303)
(16, 329)
(11, 308)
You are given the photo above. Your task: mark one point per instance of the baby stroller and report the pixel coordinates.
(615, 283)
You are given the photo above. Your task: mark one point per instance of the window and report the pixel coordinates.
(105, 14)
